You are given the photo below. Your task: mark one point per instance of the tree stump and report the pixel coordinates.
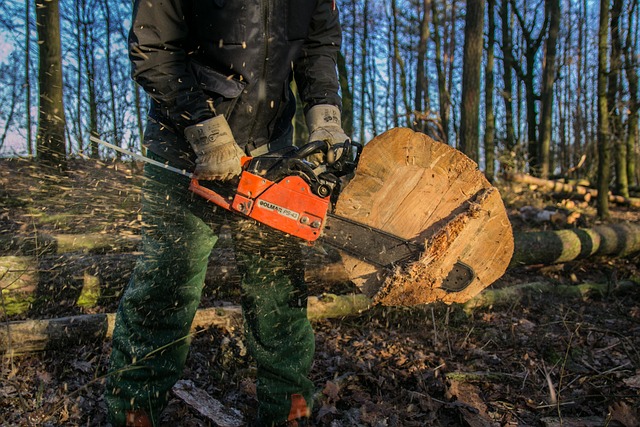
(427, 192)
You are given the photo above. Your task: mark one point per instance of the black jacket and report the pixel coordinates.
(240, 56)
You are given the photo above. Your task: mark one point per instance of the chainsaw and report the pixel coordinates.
(284, 191)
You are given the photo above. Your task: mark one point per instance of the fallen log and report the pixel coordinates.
(554, 247)
(29, 336)
(39, 244)
(582, 198)
(45, 284)
(513, 295)
(562, 187)
(70, 280)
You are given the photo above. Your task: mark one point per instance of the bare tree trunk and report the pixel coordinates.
(394, 50)
(490, 126)
(27, 75)
(527, 76)
(444, 96)
(363, 71)
(604, 155)
(421, 78)
(80, 6)
(90, 67)
(115, 129)
(631, 71)
(507, 62)
(613, 101)
(11, 107)
(451, 56)
(469, 119)
(51, 123)
(579, 119)
(372, 93)
(546, 93)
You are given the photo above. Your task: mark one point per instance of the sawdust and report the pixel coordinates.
(420, 282)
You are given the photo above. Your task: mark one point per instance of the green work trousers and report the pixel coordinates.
(151, 336)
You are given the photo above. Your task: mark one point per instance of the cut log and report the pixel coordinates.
(29, 336)
(429, 193)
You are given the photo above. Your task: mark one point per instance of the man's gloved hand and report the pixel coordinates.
(325, 124)
(218, 155)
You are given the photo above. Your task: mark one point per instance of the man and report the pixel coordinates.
(218, 73)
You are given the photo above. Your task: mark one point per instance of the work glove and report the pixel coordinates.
(325, 124)
(218, 155)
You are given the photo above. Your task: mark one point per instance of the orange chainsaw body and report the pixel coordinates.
(288, 205)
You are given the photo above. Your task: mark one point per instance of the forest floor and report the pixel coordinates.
(543, 360)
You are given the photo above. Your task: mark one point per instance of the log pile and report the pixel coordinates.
(567, 190)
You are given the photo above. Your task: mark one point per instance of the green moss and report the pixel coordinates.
(90, 292)
(15, 303)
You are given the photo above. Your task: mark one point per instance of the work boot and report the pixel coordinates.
(138, 418)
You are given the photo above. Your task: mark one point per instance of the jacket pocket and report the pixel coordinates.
(213, 82)
(223, 90)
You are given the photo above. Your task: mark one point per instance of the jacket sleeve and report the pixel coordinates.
(157, 50)
(316, 69)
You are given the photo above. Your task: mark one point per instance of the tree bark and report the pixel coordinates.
(51, 150)
(507, 78)
(631, 68)
(444, 97)
(470, 115)
(554, 247)
(548, 79)
(614, 100)
(490, 126)
(421, 90)
(604, 155)
(27, 75)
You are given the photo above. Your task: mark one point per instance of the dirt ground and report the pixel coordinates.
(540, 360)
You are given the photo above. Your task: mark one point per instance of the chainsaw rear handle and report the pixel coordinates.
(312, 147)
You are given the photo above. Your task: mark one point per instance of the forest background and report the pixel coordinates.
(548, 87)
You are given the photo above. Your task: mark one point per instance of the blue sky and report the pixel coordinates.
(5, 48)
